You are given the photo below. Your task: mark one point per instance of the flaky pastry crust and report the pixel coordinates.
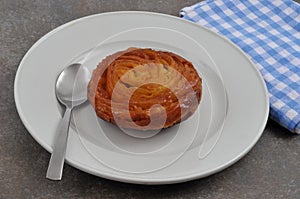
(133, 80)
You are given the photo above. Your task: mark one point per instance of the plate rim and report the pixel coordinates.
(132, 179)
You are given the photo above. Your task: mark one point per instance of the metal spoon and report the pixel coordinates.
(71, 91)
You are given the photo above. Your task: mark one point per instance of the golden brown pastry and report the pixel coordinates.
(126, 84)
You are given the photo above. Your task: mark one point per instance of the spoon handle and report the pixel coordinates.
(56, 162)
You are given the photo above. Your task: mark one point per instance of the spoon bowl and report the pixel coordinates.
(71, 85)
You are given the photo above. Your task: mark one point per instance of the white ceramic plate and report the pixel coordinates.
(229, 120)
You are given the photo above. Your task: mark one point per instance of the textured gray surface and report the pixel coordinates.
(270, 170)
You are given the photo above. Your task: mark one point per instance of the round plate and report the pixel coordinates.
(232, 70)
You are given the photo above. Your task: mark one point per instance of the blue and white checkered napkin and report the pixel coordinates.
(269, 32)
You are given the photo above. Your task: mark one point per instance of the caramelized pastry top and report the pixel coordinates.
(127, 86)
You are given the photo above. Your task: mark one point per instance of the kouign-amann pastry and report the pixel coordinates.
(127, 86)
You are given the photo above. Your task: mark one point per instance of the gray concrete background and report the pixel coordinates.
(270, 170)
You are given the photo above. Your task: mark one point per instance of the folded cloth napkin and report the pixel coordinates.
(269, 32)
